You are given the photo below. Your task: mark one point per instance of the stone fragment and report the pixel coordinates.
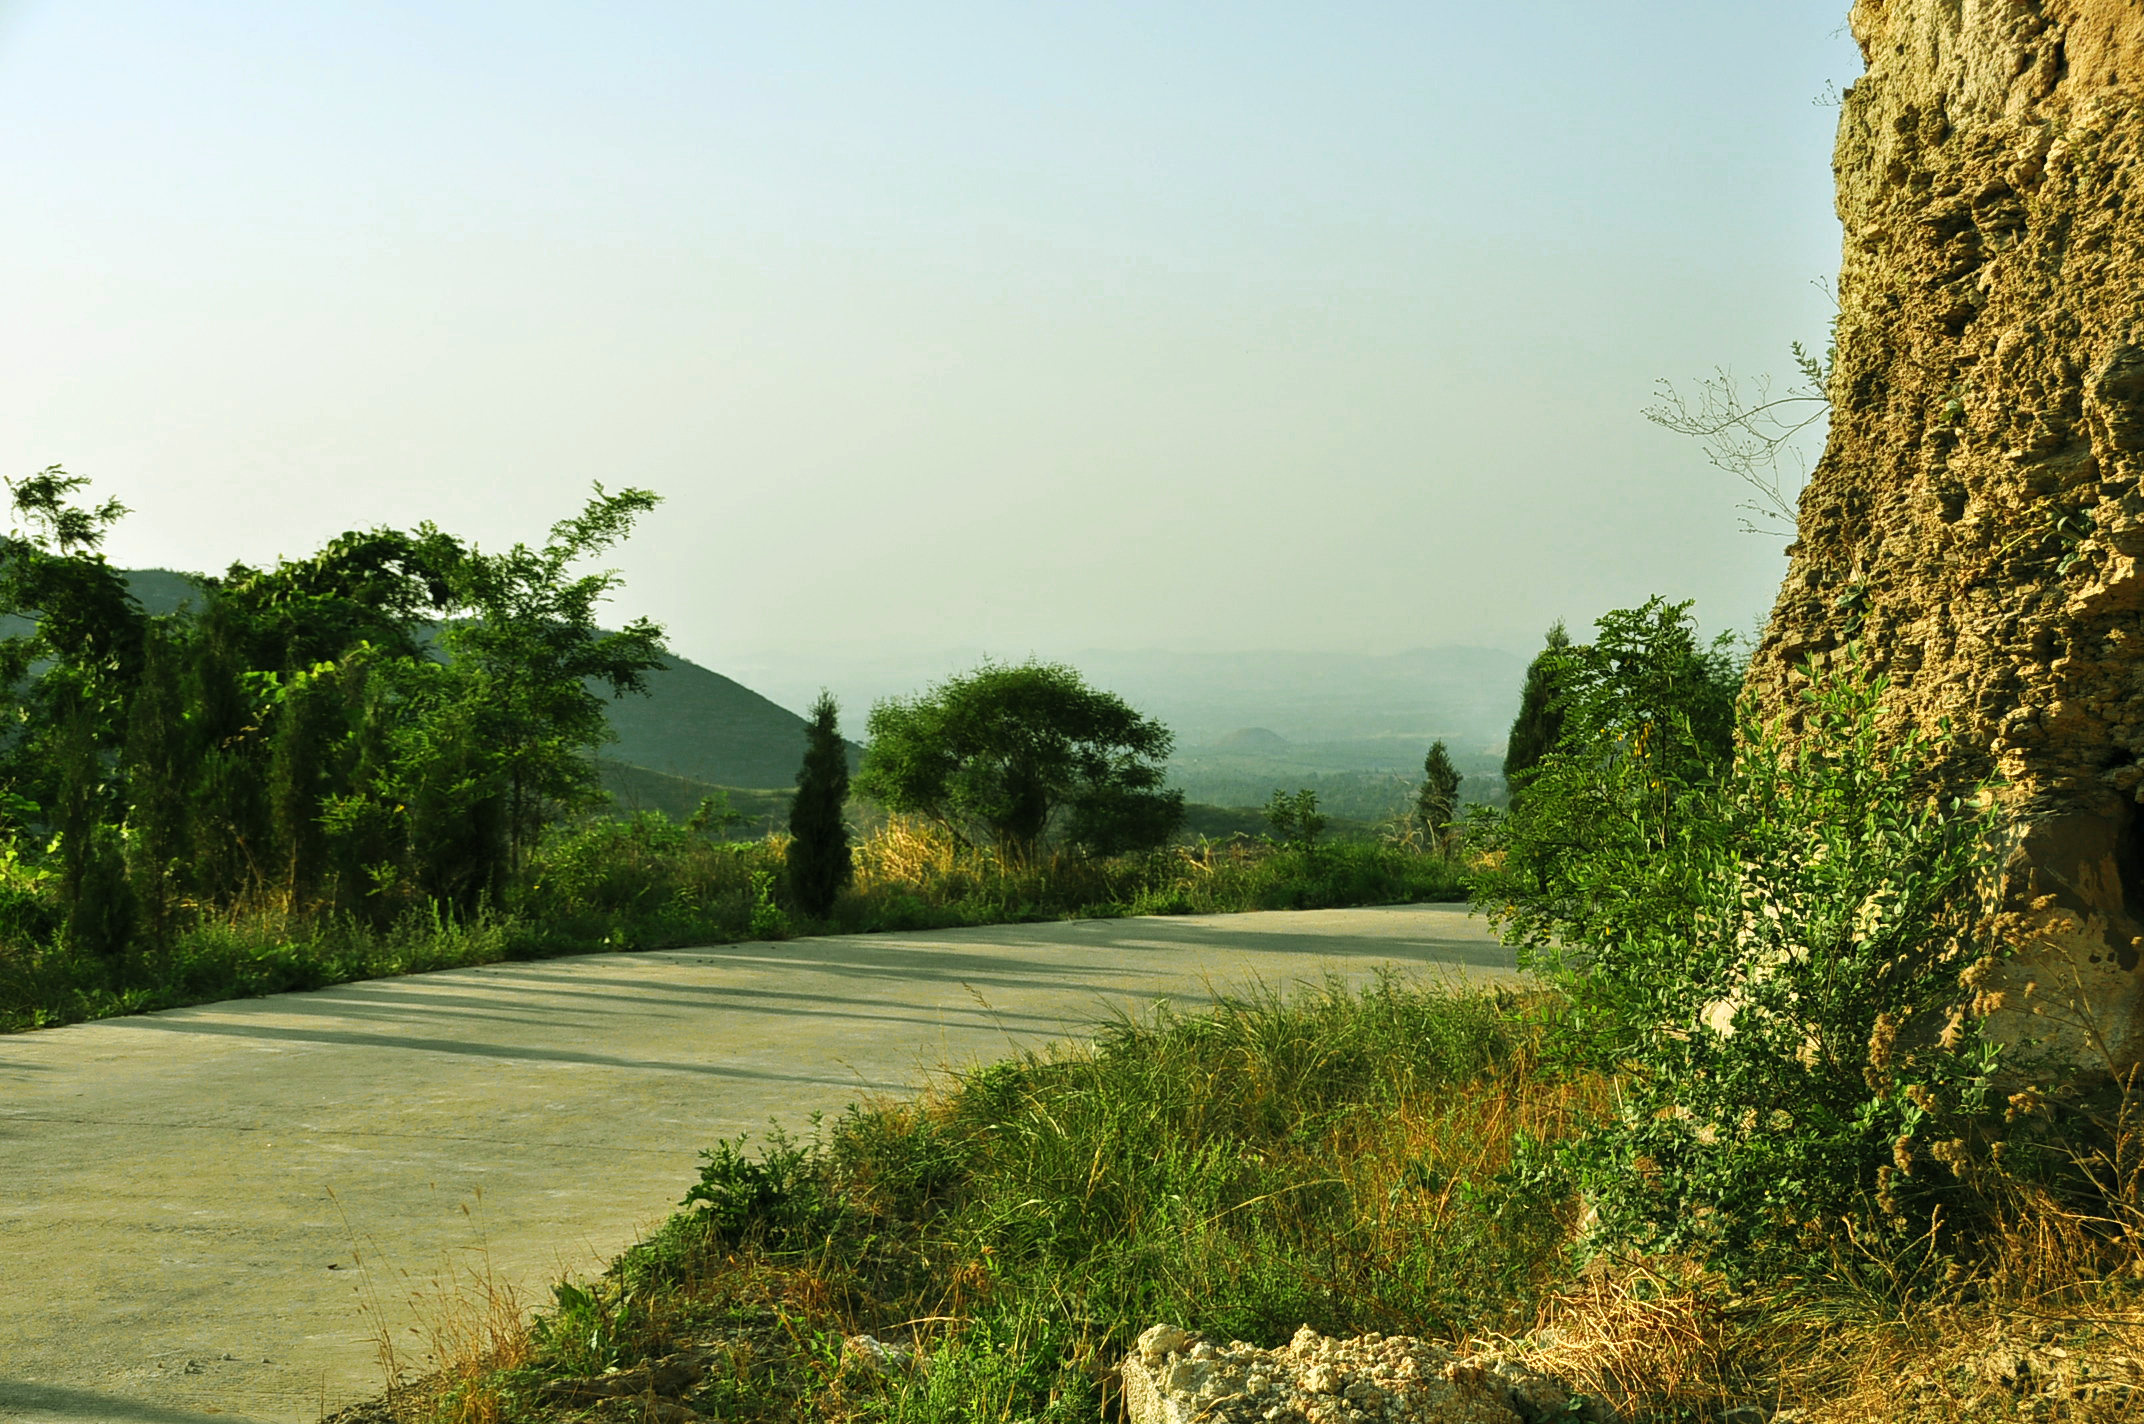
(1175, 1377)
(875, 1356)
(1160, 1340)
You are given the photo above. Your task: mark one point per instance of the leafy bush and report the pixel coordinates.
(777, 1195)
(1769, 943)
(1806, 1052)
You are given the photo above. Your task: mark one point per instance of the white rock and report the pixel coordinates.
(876, 1355)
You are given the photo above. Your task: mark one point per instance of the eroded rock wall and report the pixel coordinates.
(1977, 520)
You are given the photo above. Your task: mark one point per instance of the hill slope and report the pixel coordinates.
(697, 724)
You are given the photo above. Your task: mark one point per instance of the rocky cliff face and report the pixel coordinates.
(1977, 520)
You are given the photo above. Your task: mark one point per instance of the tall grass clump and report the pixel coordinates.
(911, 874)
(1353, 1160)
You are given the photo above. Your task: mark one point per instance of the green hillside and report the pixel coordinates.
(697, 724)
(160, 590)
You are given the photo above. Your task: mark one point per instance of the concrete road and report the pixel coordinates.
(214, 1213)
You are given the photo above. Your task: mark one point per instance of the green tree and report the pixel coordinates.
(155, 762)
(1295, 820)
(67, 677)
(68, 681)
(97, 903)
(227, 707)
(1437, 804)
(533, 654)
(1015, 754)
(1539, 725)
(819, 861)
(53, 574)
(1648, 720)
(381, 588)
(308, 727)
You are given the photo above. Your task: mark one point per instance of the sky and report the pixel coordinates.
(1029, 328)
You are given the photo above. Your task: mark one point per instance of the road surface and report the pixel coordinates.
(214, 1213)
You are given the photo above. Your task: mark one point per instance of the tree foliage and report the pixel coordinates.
(1437, 803)
(1756, 434)
(381, 724)
(1295, 821)
(1539, 725)
(1647, 718)
(1020, 755)
(819, 862)
(532, 654)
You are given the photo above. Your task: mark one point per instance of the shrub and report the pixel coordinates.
(1780, 974)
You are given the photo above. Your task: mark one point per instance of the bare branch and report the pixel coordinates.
(1753, 434)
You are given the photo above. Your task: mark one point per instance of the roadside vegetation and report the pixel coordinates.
(1752, 1144)
(648, 882)
(382, 759)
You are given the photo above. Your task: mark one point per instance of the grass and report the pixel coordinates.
(647, 882)
(1376, 1160)
(1341, 1159)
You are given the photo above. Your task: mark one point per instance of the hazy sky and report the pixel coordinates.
(1022, 326)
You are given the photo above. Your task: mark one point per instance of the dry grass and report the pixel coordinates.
(1417, 1166)
(471, 1326)
(467, 1326)
(1644, 1339)
(2040, 1315)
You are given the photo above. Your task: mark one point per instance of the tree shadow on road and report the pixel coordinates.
(57, 1403)
(463, 1048)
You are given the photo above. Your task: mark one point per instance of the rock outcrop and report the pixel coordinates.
(1977, 521)
(1175, 1377)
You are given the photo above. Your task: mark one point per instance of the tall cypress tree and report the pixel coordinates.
(1438, 801)
(819, 860)
(1539, 725)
